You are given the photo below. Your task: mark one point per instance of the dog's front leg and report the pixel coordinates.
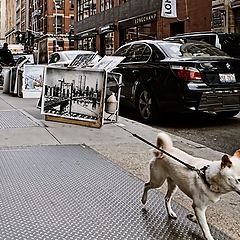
(201, 217)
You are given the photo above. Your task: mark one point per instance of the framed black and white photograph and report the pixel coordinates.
(74, 95)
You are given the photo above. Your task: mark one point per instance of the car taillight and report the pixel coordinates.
(187, 73)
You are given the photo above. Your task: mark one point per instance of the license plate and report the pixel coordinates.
(227, 78)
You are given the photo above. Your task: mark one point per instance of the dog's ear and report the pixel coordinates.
(237, 153)
(226, 162)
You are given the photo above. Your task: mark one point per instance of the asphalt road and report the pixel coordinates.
(207, 129)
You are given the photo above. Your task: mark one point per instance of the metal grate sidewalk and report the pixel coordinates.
(70, 192)
(16, 119)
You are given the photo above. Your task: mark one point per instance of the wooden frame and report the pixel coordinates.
(74, 96)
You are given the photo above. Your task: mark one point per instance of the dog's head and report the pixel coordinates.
(230, 171)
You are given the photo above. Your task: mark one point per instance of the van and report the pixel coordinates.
(227, 42)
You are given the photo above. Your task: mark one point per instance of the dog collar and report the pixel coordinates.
(202, 173)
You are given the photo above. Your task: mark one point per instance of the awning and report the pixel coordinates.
(86, 34)
(139, 20)
(106, 29)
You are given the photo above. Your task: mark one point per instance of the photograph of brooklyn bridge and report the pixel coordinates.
(77, 95)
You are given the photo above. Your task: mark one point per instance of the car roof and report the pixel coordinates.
(201, 34)
(74, 51)
(145, 41)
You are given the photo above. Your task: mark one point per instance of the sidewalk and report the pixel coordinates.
(112, 142)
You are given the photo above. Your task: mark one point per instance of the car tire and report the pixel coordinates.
(227, 114)
(145, 105)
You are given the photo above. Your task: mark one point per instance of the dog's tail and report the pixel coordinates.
(163, 142)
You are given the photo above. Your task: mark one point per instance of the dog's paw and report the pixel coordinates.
(144, 200)
(192, 218)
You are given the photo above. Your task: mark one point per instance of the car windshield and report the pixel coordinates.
(190, 49)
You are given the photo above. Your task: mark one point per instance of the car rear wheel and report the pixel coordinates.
(146, 105)
(227, 114)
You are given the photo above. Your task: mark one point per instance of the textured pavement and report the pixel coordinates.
(115, 144)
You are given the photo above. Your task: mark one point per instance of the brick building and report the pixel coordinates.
(104, 25)
(51, 22)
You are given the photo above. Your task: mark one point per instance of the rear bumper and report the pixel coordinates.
(220, 100)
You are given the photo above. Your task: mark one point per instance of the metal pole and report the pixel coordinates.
(56, 32)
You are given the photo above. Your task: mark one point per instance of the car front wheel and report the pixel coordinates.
(145, 105)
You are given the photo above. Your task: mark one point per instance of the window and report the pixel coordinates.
(85, 9)
(87, 44)
(106, 4)
(138, 53)
(122, 51)
(72, 22)
(211, 39)
(59, 24)
(72, 4)
(109, 42)
(58, 3)
(146, 54)
(141, 32)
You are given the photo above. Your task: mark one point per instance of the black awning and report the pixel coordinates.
(86, 34)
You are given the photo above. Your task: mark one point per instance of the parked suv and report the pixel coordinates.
(228, 42)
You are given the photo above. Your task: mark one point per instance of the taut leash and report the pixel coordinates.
(201, 172)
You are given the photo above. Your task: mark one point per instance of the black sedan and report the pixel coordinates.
(162, 76)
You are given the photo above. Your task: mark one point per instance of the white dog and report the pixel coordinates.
(218, 177)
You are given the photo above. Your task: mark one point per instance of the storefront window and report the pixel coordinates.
(109, 43)
(147, 31)
(141, 32)
(87, 44)
(85, 9)
(106, 4)
(131, 34)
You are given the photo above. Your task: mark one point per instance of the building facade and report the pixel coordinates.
(39, 24)
(104, 25)
(2, 20)
(226, 16)
(51, 23)
(10, 20)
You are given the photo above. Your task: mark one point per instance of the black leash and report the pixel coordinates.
(201, 172)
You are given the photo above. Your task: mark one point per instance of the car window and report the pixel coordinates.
(138, 53)
(146, 54)
(122, 51)
(191, 49)
(211, 39)
(54, 58)
(157, 54)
